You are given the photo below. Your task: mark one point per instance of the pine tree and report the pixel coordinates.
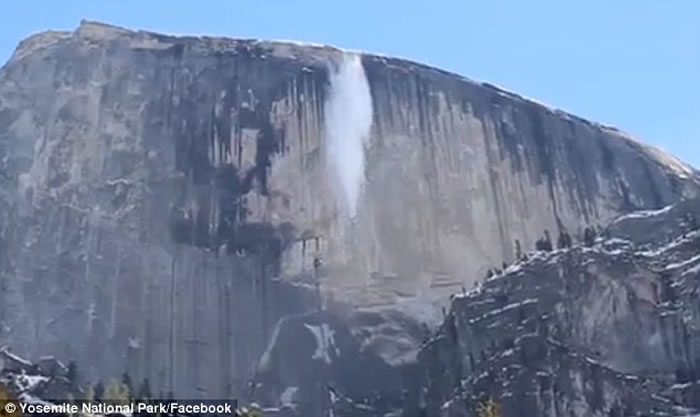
(540, 245)
(72, 373)
(548, 241)
(489, 409)
(518, 250)
(89, 393)
(544, 244)
(589, 237)
(144, 390)
(98, 392)
(126, 382)
(564, 240)
(117, 393)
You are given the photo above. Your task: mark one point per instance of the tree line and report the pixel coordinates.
(117, 390)
(545, 244)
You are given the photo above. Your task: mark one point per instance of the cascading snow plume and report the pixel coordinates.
(348, 120)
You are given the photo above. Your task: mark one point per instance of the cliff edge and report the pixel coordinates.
(169, 204)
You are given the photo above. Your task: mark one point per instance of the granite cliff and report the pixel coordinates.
(607, 330)
(178, 207)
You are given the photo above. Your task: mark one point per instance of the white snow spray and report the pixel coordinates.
(348, 120)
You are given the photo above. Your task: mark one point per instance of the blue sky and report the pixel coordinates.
(630, 63)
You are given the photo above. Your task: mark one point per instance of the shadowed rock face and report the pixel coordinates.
(163, 198)
(610, 330)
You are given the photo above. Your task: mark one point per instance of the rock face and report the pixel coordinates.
(169, 204)
(610, 330)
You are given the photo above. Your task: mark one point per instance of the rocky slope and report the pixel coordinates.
(51, 385)
(31, 383)
(608, 330)
(170, 206)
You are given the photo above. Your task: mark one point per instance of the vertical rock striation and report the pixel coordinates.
(165, 200)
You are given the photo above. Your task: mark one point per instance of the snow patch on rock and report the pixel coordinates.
(324, 341)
